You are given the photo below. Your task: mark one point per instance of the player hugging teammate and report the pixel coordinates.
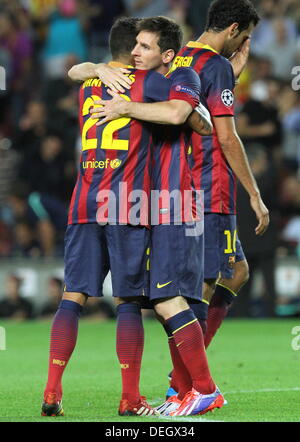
(140, 139)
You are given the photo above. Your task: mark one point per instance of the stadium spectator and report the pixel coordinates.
(99, 309)
(14, 306)
(55, 288)
(16, 43)
(99, 17)
(281, 52)
(65, 36)
(260, 251)
(45, 213)
(44, 170)
(265, 34)
(258, 120)
(289, 108)
(31, 129)
(25, 244)
(196, 15)
(8, 169)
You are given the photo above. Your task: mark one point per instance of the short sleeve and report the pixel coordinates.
(219, 86)
(156, 87)
(185, 86)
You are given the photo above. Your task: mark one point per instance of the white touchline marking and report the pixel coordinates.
(263, 390)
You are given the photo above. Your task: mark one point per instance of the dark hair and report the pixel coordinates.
(122, 36)
(223, 14)
(169, 32)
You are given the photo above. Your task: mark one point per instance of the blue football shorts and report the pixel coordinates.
(222, 247)
(176, 261)
(92, 250)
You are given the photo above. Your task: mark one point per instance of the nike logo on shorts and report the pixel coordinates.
(159, 286)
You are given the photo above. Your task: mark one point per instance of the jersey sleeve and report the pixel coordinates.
(219, 86)
(185, 86)
(156, 87)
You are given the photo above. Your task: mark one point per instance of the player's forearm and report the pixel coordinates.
(82, 71)
(200, 121)
(165, 112)
(236, 156)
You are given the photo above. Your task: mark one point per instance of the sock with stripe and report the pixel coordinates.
(62, 343)
(217, 311)
(200, 311)
(188, 338)
(130, 346)
(181, 380)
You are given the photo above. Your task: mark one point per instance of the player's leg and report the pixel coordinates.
(83, 277)
(130, 346)
(175, 263)
(234, 273)
(127, 247)
(63, 339)
(226, 291)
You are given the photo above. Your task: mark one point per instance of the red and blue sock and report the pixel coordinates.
(217, 311)
(62, 343)
(130, 346)
(200, 311)
(188, 338)
(181, 380)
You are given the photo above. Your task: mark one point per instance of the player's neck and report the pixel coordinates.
(213, 39)
(163, 69)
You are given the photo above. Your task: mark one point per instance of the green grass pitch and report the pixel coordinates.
(252, 361)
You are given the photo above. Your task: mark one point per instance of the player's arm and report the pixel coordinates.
(200, 120)
(235, 154)
(165, 112)
(115, 78)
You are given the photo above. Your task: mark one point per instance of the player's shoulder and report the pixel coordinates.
(219, 63)
(146, 73)
(187, 73)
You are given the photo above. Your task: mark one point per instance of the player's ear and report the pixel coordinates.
(168, 56)
(234, 30)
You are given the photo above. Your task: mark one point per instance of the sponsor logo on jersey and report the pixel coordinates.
(95, 164)
(183, 62)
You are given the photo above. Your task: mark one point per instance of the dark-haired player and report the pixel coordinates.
(175, 259)
(98, 239)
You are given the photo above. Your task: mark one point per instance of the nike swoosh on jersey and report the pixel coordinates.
(159, 286)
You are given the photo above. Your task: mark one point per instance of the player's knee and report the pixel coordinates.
(169, 307)
(243, 271)
(79, 298)
(209, 287)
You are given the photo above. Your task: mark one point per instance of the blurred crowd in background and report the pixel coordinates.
(39, 144)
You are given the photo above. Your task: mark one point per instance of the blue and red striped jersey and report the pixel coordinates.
(115, 161)
(210, 169)
(170, 169)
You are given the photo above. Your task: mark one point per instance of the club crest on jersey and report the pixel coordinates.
(227, 97)
(231, 261)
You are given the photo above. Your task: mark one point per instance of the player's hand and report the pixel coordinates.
(115, 78)
(109, 109)
(240, 57)
(262, 214)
